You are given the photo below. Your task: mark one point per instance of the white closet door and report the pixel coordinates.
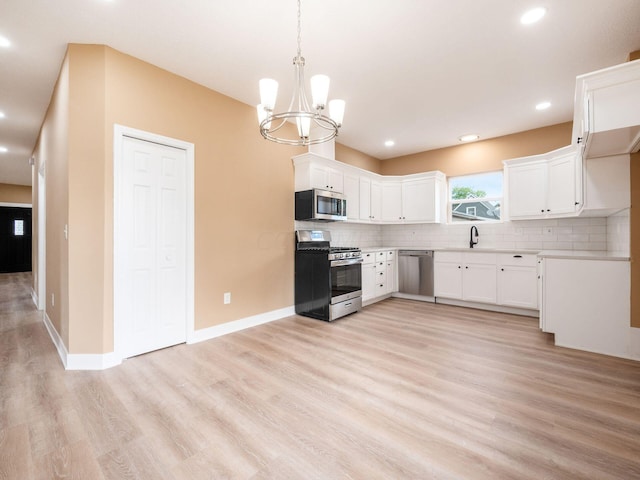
(153, 243)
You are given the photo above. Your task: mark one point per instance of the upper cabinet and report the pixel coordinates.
(319, 175)
(544, 186)
(373, 198)
(607, 111)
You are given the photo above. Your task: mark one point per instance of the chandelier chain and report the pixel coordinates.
(299, 30)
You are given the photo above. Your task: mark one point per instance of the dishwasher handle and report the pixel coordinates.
(415, 253)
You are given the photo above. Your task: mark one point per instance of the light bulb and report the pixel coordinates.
(319, 90)
(304, 125)
(336, 111)
(268, 93)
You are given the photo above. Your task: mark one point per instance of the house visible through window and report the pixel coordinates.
(18, 228)
(475, 198)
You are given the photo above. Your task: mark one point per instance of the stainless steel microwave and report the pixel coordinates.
(325, 205)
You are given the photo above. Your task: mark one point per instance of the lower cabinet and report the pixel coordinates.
(378, 274)
(518, 281)
(490, 278)
(465, 276)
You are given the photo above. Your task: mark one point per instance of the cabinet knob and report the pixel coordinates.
(459, 266)
(466, 267)
(548, 210)
(502, 269)
(579, 140)
(542, 210)
(577, 203)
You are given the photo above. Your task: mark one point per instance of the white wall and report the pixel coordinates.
(618, 233)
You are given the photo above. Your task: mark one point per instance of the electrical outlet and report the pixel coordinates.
(227, 298)
(53, 299)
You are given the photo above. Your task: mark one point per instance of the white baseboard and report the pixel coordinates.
(34, 297)
(489, 306)
(237, 325)
(55, 338)
(79, 361)
(101, 361)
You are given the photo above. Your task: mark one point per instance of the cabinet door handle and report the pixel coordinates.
(517, 256)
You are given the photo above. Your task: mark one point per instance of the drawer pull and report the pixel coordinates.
(517, 256)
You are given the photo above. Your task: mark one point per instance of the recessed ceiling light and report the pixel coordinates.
(468, 138)
(533, 15)
(4, 42)
(389, 143)
(4, 149)
(543, 105)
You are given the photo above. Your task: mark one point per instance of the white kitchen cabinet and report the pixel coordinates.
(527, 189)
(465, 276)
(544, 186)
(447, 278)
(391, 273)
(378, 275)
(607, 110)
(423, 199)
(392, 202)
(563, 186)
(313, 171)
(479, 281)
(370, 200)
(352, 194)
(517, 281)
(414, 199)
(326, 178)
(373, 198)
(368, 281)
(376, 201)
(586, 304)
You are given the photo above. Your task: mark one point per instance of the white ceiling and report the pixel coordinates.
(421, 72)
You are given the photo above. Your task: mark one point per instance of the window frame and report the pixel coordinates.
(461, 202)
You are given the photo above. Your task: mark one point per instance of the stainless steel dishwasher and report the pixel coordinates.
(415, 274)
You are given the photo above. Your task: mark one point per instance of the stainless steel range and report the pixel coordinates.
(328, 280)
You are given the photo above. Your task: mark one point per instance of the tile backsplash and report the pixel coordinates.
(580, 233)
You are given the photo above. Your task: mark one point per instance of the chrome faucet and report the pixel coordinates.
(473, 242)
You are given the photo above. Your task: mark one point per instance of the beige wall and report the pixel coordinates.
(243, 193)
(482, 156)
(356, 158)
(51, 153)
(15, 193)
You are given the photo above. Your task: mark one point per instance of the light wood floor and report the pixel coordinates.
(402, 390)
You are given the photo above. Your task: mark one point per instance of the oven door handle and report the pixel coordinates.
(347, 261)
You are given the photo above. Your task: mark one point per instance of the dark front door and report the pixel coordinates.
(15, 239)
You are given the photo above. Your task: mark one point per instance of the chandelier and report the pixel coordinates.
(313, 126)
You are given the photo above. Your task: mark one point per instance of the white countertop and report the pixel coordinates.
(585, 255)
(570, 254)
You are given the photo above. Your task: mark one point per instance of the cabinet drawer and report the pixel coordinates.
(391, 255)
(381, 256)
(517, 259)
(480, 258)
(448, 257)
(368, 257)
